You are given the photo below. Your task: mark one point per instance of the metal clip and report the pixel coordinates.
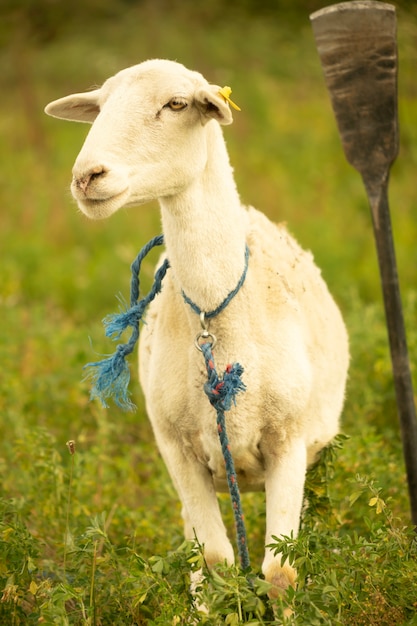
(204, 334)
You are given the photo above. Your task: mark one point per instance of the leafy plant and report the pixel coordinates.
(345, 577)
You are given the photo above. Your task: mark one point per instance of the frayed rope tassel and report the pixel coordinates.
(111, 376)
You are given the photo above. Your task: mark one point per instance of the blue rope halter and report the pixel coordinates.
(112, 375)
(228, 298)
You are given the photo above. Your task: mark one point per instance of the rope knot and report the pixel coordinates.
(223, 394)
(116, 323)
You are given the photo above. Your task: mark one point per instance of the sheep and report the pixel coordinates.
(156, 134)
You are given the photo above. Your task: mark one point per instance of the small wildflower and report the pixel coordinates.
(71, 446)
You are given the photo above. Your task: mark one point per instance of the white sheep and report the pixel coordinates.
(156, 135)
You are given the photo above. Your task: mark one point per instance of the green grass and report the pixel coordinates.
(95, 538)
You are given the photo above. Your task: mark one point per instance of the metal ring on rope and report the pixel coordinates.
(206, 335)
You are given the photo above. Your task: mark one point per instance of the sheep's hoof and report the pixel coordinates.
(280, 577)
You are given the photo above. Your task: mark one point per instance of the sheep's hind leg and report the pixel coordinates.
(284, 487)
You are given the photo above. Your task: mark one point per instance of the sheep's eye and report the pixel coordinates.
(177, 104)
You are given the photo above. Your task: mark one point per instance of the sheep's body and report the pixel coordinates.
(283, 326)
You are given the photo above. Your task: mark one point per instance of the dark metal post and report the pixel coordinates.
(357, 46)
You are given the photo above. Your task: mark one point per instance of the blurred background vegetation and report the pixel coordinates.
(284, 146)
(60, 273)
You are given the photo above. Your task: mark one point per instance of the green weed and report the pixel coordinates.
(344, 577)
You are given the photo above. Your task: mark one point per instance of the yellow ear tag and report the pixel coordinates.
(225, 93)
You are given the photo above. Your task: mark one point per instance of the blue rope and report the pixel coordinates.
(111, 376)
(222, 392)
(228, 298)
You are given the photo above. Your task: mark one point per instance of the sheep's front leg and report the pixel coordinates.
(202, 517)
(200, 506)
(284, 488)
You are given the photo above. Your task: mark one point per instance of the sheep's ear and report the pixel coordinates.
(213, 105)
(80, 107)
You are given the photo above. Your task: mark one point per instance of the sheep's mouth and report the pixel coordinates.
(101, 208)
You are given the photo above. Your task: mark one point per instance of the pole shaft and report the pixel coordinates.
(396, 334)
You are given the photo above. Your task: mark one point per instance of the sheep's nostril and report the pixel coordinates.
(84, 182)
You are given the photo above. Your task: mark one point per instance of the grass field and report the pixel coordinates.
(95, 538)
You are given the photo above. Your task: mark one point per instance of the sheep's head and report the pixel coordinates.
(148, 137)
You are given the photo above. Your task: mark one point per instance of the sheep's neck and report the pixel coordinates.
(205, 234)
